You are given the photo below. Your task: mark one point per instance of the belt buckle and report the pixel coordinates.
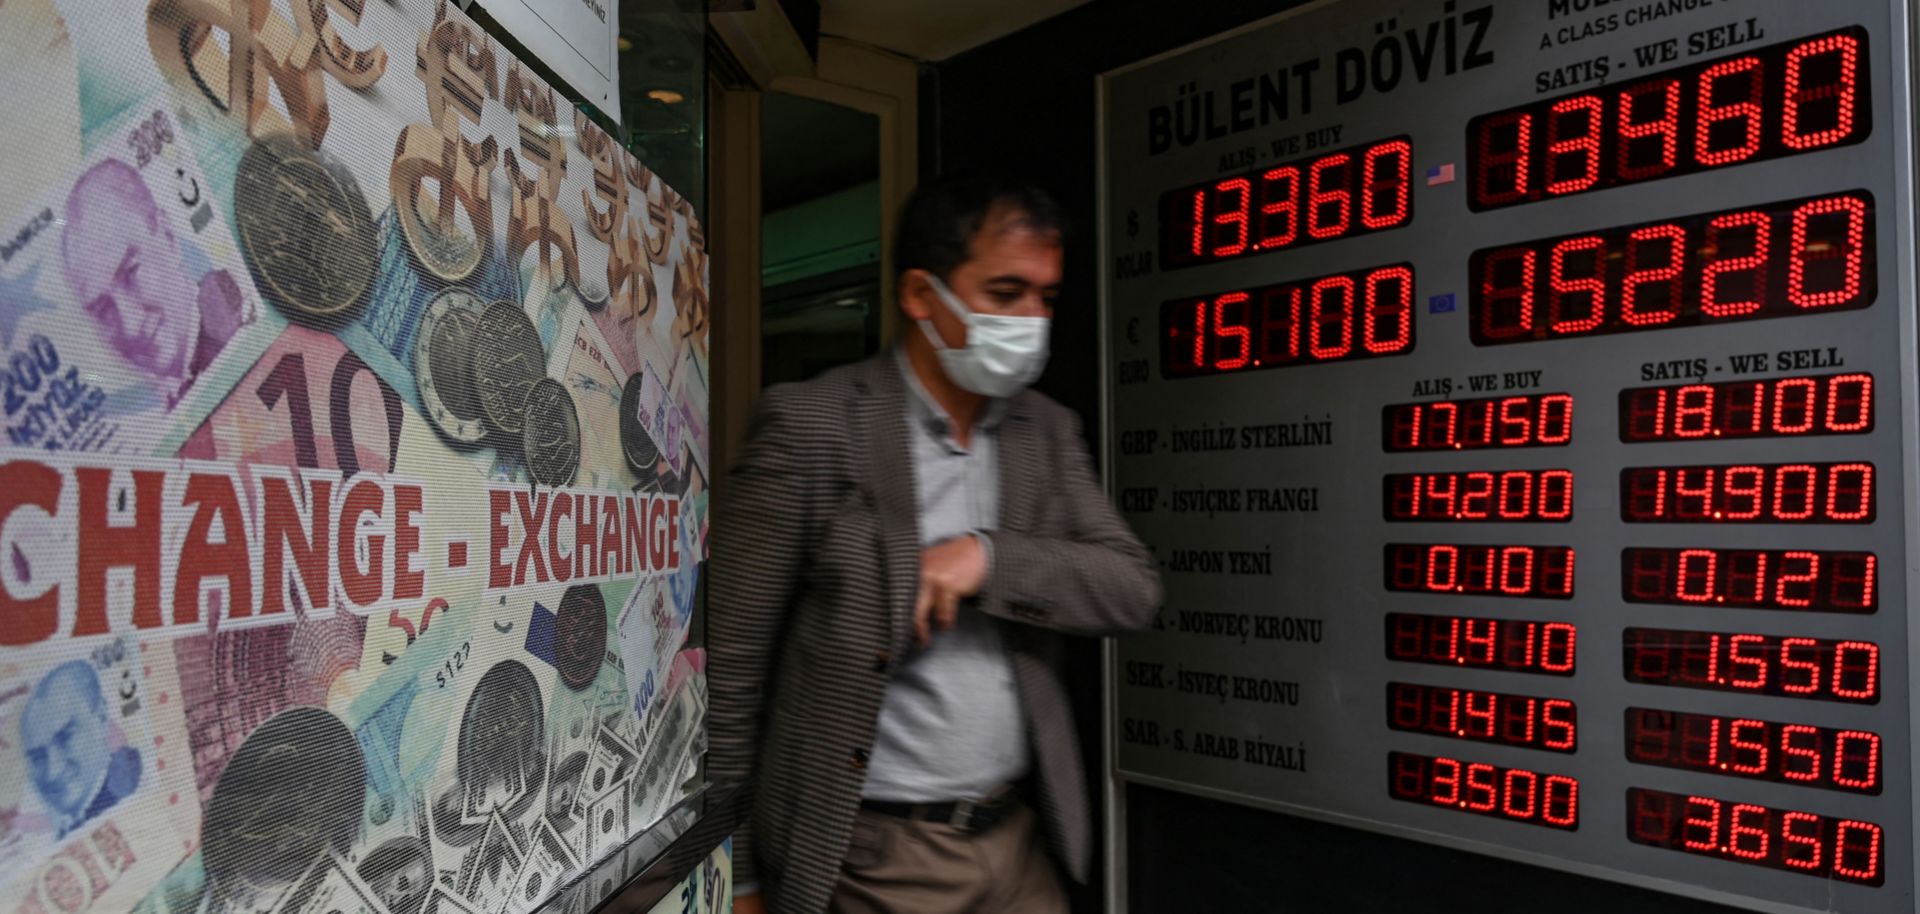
(962, 817)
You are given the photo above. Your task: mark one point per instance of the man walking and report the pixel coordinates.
(895, 560)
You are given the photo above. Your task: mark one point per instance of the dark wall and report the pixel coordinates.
(1024, 105)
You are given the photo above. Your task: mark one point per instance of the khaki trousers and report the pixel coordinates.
(902, 866)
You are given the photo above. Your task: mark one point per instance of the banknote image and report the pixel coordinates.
(89, 767)
(330, 887)
(400, 874)
(63, 734)
(120, 294)
(487, 878)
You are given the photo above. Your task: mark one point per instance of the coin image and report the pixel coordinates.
(439, 247)
(634, 440)
(507, 362)
(292, 792)
(551, 437)
(305, 229)
(443, 358)
(500, 759)
(580, 638)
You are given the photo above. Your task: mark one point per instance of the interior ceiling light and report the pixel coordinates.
(666, 96)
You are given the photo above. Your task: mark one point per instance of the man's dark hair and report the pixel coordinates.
(943, 215)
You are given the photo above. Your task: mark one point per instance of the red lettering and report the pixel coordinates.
(562, 565)
(657, 533)
(363, 586)
(531, 514)
(104, 545)
(212, 497)
(33, 619)
(499, 574)
(673, 533)
(636, 534)
(408, 584)
(610, 538)
(586, 528)
(282, 532)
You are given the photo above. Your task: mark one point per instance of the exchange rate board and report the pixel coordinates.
(1518, 399)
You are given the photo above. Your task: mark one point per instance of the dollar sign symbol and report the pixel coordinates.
(1133, 223)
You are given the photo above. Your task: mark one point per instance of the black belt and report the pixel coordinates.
(966, 815)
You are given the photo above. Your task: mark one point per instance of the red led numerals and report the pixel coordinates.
(1540, 420)
(1780, 260)
(1764, 664)
(1836, 404)
(1790, 579)
(1358, 315)
(1774, 493)
(1499, 644)
(1760, 749)
(1544, 572)
(1798, 842)
(1787, 99)
(1487, 717)
(1515, 794)
(1356, 191)
(1511, 496)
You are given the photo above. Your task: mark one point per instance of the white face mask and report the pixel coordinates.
(1003, 353)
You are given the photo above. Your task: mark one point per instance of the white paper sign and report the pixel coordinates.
(575, 38)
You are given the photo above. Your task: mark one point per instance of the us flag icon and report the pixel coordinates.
(1440, 174)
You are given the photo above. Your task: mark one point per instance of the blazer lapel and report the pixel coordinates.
(1019, 458)
(882, 413)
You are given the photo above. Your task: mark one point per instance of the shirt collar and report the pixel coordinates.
(928, 412)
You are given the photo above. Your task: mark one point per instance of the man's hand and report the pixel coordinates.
(949, 572)
(749, 904)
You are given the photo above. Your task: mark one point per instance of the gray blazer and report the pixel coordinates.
(814, 569)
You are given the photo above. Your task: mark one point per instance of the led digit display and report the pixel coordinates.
(1783, 100)
(1355, 191)
(1768, 493)
(1539, 420)
(1486, 717)
(1515, 794)
(1790, 579)
(1797, 257)
(1787, 667)
(1760, 749)
(1835, 404)
(1510, 496)
(1544, 572)
(1513, 645)
(1361, 314)
(1798, 842)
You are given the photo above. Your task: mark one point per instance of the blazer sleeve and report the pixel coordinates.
(1097, 579)
(760, 530)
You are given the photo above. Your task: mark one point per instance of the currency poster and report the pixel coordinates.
(353, 448)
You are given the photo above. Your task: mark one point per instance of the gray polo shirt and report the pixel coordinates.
(951, 726)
